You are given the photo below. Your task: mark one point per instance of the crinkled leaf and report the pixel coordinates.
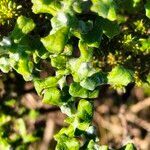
(76, 90)
(80, 6)
(85, 111)
(60, 73)
(104, 8)
(68, 144)
(73, 144)
(85, 70)
(80, 69)
(120, 76)
(103, 147)
(82, 28)
(145, 45)
(69, 131)
(66, 140)
(63, 19)
(41, 84)
(24, 26)
(90, 145)
(21, 127)
(4, 64)
(58, 61)
(56, 42)
(101, 25)
(5, 43)
(85, 51)
(29, 138)
(147, 8)
(24, 66)
(93, 37)
(68, 110)
(45, 6)
(94, 146)
(129, 146)
(92, 82)
(110, 28)
(81, 125)
(52, 96)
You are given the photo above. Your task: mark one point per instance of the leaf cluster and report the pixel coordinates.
(92, 43)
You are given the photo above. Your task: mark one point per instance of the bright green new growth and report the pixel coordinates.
(147, 8)
(120, 77)
(16, 48)
(8, 10)
(104, 8)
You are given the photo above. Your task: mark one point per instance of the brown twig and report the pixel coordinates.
(48, 134)
(115, 129)
(138, 121)
(140, 105)
(123, 121)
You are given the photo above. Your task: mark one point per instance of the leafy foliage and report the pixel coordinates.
(147, 8)
(106, 9)
(94, 43)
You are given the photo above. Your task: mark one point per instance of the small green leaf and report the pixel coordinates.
(29, 138)
(65, 139)
(110, 28)
(86, 52)
(129, 146)
(92, 82)
(56, 42)
(65, 132)
(103, 147)
(68, 144)
(59, 61)
(41, 84)
(24, 26)
(76, 90)
(21, 127)
(93, 37)
(147, 8)
(45, 6)
(85, 111)
(24, 66)
(104, 8)
(61, 20)
(52, 96)
(145, 45)
(120, 77)
(90, 145)
(4, 64)
(80, 69)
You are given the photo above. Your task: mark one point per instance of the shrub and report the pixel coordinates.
(95, 43)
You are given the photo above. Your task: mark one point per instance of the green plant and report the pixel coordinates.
(8, 10)
(110, 52)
